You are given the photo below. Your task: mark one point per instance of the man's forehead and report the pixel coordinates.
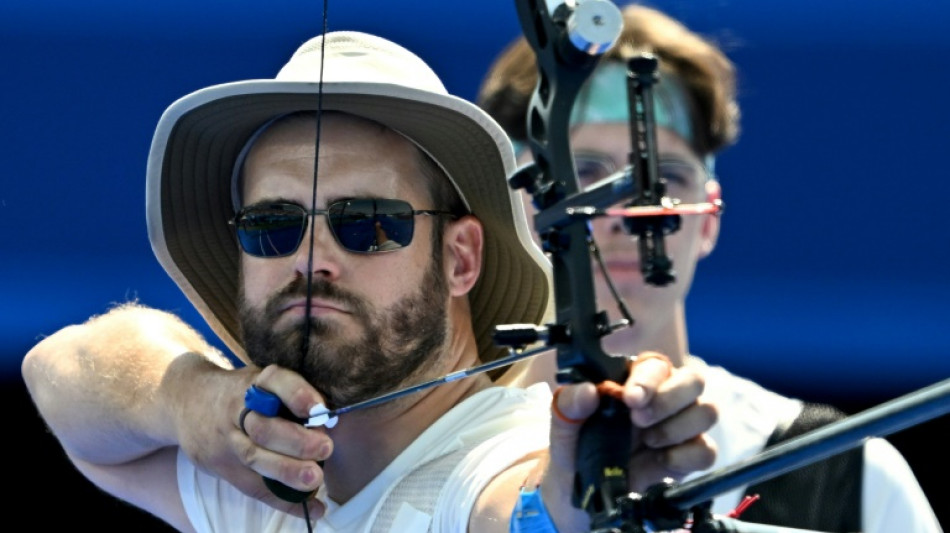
(357, 158)
(293, 128)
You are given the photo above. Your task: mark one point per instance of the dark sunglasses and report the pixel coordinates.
(360, 225)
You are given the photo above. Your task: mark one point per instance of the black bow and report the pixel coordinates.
(568, 43)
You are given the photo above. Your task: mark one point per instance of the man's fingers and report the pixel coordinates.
(698, 453)
(297, 473)
(681, 389)
(571, 405)
(683, 426)
(277, 448)
(647, 372)
(292, 389)
(287, 437)
(649, 466)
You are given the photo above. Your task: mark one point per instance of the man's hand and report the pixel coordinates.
(665, 404)
(669, 421)
(212, 435)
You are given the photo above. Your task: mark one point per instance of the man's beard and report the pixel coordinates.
(395, 346)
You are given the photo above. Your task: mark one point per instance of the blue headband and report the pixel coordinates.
(604, 99)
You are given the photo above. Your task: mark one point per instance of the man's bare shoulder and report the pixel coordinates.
(492, 511)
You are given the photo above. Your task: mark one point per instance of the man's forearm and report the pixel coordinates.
(101, 385)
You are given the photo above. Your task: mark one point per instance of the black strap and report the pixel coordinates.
(823, 496)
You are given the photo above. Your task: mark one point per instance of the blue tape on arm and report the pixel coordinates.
(530, 514)
(261, 401)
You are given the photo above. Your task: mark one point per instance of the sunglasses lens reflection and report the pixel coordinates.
(361, 225)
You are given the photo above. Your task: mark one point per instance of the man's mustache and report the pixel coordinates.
(319, 288)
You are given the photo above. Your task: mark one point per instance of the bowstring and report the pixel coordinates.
(305, 342)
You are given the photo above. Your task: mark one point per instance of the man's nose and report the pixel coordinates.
(326, 252)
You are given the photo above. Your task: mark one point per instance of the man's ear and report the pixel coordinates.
(462, 249)
(710, 230)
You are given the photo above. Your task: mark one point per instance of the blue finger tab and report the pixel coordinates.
(261, 401)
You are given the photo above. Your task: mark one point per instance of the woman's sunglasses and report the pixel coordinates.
(360, 225)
